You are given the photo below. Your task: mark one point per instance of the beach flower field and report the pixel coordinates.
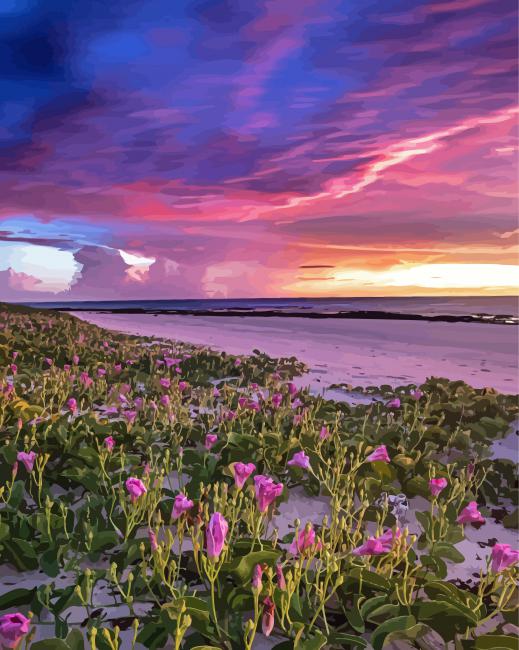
(156, 495)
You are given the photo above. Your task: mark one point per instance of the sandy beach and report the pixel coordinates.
(359, 352)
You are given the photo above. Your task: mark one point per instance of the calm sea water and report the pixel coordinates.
(455, 306)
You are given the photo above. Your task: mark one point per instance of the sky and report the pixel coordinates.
(239, 148)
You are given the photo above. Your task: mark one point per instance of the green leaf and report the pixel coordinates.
(315, 643)
(50, 644)
(370, 579)
(49, 562)
(242, 567)
(195, 607)
(446, 617)
(448, 551)
(22, 554)
(16, 597)
(75, 640)
(104, 539)
(399, 623)
(411, 634)
(371, 604)
(355, 617)
(495, 641)
(348, 640)
(4, 531)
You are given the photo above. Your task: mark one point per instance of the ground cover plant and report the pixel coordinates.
(144, 487)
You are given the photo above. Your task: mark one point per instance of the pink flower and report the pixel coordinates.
(277, 399)
(215, 535)
(237, 362)
(417, 394)
(394, 403)
(324, 432)
(109, 443)
(380, 454)
(72, 405)
(470, 515)
(378, 545)
(164, 400)
(85, 379)
(300, 460)
(267, 620)
(280, 578)
(182, 385)
(437, 485)
(118, 368)
(266, 491)
(165, 382)
(216, 392)
(153, 540)
(130, 416)
(241, 472)
(502, 557)
(210, 441)
(27, 459)
(66, 367)
(180, 505)
(75, 360)
(257, 575)
(138, 402)
(101, 372)
(49, 361)
(292, 388)
(14, 368)
(304, 541)
(136, 488)
(13, 627)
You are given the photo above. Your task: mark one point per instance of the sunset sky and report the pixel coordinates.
(174, 149)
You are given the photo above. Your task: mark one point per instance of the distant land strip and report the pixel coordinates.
(497, 319)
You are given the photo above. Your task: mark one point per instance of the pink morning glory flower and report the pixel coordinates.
(72, 405)
(304, 541)
(503, 556)
(437, 485)
(241, 472)
(300, 459)
(324, 433)
(27, 459)
(267, 619)
(136, 488)
(380, 454)
(13, 627)
(153, 540)
(470, 515)
(215, 535)
(210, 441)
(266, 491)
(377, 545)
(109, 443)
(181, 504)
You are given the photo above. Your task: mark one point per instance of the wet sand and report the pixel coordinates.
(357, 352)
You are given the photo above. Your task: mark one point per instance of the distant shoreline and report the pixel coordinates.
(493, 319)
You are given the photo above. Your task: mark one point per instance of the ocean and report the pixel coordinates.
(505, 307)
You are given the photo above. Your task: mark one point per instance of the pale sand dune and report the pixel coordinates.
(360, 352)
